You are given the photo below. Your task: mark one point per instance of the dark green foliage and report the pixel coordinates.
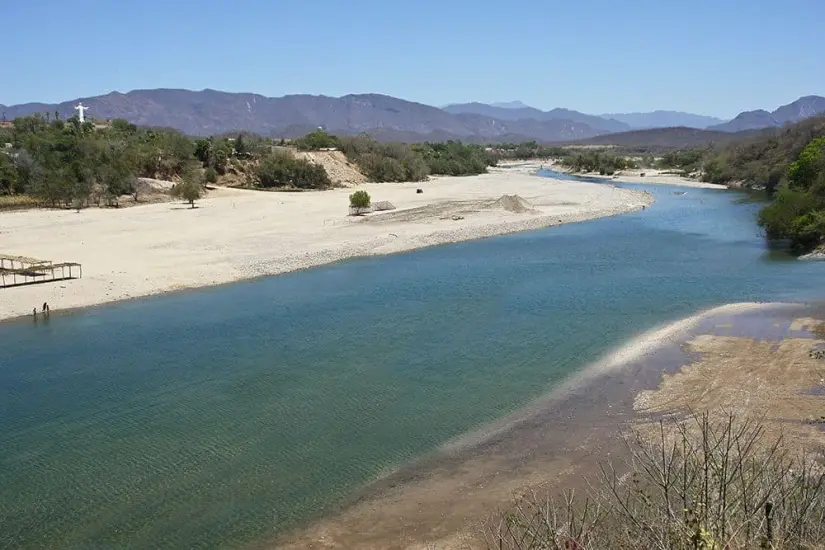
(62, 163)
(214, 153)
(761, 161)
(9, 176)
(452, 158)
(393, 162)
(798, 208)
(526, 150)
(316, 140)
(210, 175)
(359, 201)
(597, 161)
(384, 162)
(190, 187)
(688, 161)
(285, 171)
(809, 166)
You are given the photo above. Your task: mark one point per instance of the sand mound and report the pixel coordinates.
(513, 203)
(338, 168)
(381, 206)
(150, 185)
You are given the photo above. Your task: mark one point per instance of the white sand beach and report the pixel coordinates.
(238, 234)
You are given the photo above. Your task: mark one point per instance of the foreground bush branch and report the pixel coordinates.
(690, 485)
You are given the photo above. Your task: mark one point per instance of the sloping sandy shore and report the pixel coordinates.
(748, 358)
(237, 234)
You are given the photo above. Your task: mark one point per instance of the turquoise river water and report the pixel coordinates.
(224, 416)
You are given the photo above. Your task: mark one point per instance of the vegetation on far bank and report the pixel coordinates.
(787, 163)
(61, 163)
(395, 162)
(65, 163)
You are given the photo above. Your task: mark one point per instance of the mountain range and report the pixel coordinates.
(209, 112)
(802, 108)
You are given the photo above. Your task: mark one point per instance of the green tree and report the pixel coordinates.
(220, 158)
(210, 175)
(9, 177)
(240, 145)
(805, 170)
(203, 151)
(190, 187)
(359, 201)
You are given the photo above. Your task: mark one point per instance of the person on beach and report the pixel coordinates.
(45, 308)
(34, 312)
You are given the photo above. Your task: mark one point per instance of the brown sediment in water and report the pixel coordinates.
(554, 443)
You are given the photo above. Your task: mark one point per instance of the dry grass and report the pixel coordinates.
(17, 202)
(700, 484)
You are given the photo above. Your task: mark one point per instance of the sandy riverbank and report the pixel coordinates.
(651, 176)
(239, 234)
(700, 362)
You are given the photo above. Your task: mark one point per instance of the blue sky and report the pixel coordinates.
(709, 57)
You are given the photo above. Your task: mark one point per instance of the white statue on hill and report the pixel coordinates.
(81, 110)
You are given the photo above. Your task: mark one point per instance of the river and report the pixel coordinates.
(222, 416)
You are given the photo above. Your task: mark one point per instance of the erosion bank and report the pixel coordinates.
(239, 234)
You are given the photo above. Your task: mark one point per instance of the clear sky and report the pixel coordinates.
(714, 57)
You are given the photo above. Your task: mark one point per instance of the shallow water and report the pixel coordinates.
(227, 415)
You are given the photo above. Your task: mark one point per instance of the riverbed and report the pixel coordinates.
(230, 415)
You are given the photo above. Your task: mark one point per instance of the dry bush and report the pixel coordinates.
(15, 202)
(695, 485)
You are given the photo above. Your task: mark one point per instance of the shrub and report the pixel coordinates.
(190, 188)
(318, 139)
(384, 162)
(210, 175)
(283, 170)
(359, 201)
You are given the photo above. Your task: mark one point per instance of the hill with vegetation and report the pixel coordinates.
(57, 163)
(802, 108)
(788, 163)
(661, 139)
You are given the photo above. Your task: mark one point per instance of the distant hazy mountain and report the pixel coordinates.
(209, 112)
(748, 120)
(679, 137)
(509, 105)
(664, 119)
(802, 108)
(527, 113)
(212, 112)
